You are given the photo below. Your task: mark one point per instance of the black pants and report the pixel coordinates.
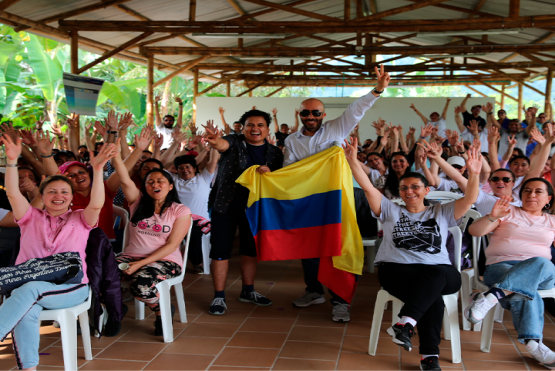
(367, 224)
(420, 287)
(310, 267)
(223, 231)
(195, 246)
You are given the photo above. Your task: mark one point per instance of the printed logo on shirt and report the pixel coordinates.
(146, 225)
(417, 236)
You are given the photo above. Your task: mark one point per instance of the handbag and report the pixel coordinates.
(59, 268)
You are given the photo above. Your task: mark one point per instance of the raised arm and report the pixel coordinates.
(444, 113)
(222, 111)
(213, 162)
(157, 116)
(274, 116)
(372, 194)
(531, 119)
(422, 117)
(489, 222)
(129, 188)
(19, 203)
(402, 140)
(493, 139)
(179, 122)
(420, 159)
(92, 211)
(212, 136)
(463, 103)
(538, 163)
(45, 145)
(296, 127)
(474, 167)
(434, 153)
(491, 120)
(458, 119)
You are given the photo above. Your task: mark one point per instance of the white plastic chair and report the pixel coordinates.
(165, 296)
(66, 318)
(443, 196)
(451, 329)
(124, 216)
(206, 246)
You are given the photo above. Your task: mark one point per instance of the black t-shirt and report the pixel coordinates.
(280, 136)
(467, 117)
(256, 154)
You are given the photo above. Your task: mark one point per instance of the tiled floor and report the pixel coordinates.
(279, 337)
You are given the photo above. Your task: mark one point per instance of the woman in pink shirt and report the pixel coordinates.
(158, 224)
(518, 261)
(54, 230)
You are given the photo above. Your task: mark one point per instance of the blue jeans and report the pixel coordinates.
(524, 278)
(20, 314)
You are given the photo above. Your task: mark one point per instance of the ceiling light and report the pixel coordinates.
(242, 36)
(473, 32)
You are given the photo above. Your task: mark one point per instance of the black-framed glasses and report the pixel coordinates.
(414, 187)
(315, 113)
(504, 179)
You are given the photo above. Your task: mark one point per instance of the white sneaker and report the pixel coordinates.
(541, 353)
(479, 307)
(308, 299)
(341, 313)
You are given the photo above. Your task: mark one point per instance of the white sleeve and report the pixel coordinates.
(344, 124)
(3, 213)
(205, 174)
(288, 155)
(441, 127)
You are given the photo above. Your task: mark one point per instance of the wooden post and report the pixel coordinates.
(514, 9)
(74, 59)
(548, 87)
(195, 94)
(150, 91)
(347, 10)
(192, 10)
(520, 97)
(503, 96)
(228, 89)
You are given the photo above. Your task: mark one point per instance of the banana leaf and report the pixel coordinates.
(48, 72)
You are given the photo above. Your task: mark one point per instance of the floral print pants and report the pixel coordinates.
(144, 280)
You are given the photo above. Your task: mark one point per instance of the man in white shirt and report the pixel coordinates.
(435, 120)
(165, 126)
(315, 137)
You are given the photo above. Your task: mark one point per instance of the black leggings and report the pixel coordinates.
(420, 287)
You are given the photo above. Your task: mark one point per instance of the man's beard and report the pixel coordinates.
(168, 125)
(318, 124)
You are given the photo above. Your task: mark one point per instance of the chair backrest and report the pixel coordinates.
(457, 238)
(124, 216)
(186, 250)
(470, 214)
(442, 196)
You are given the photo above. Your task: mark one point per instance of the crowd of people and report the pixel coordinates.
(56, 190)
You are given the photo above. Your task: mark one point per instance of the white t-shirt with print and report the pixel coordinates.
(415, 238)
(194, 193)
(440, 125)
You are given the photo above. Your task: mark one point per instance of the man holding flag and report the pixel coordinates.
(316, 137)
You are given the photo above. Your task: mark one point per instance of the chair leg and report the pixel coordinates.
(86, 334)
(466, 290)
(487, 331)
(381, 299)
(165, 310)
(452, 315)
(499, 314)
(139, 310)
(206, 253)
(397, 305)
(68, 329)
(180, 302)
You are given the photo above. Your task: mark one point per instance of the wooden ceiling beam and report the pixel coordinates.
(537, 60)
(540, 40)
(459, 9)
(5, 4)
(269, 10)
(405, 78)
(275, 91)
(254, 87)
(400, 10)
(187, 67)
(291, 9)
(131, 12)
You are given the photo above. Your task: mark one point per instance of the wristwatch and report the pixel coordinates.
(377, 91)
(112, 132)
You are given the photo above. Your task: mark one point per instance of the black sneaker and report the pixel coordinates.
(218, 307)
(255, 298)
(158, 330)
(401, 335)
(430, 363)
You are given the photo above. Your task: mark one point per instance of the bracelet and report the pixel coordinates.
(44, 156)
(180, 104)
(421, 137)
(461, 153)
(489, 113)
(377, 91)
(11, 165)
(490, 219)
(60, 137)
(112, 132)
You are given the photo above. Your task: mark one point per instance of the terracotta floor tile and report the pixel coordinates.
(145, 333)
(105, 364)
(196, 345)
(229, 317)
(317, 334)
(267, 325)
(310, 350)
(7, 361)
(357, 361)
(276, 312)
(499, 352)
(221, 330)
(167, 361)
(472, 365)
(238, 368)
(303, 364)
(499, 337)
(318, 319)
(55, 357)
(359, 344)
(247, 357)
(136, 351)
(257, 340)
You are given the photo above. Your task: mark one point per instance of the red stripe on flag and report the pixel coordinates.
(340, 282)
(301, 243)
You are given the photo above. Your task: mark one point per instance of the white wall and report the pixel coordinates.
(395, 110)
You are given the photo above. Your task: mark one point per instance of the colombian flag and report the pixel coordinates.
(307, 210)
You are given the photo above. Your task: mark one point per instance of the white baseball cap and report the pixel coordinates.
(456, 160)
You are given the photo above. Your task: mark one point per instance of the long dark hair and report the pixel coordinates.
(392, 181)
(145, 209)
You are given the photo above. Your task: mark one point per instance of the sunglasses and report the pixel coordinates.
(315, 113)
(504, 179)
(458, 167)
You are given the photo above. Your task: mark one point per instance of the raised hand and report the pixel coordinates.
(274, 111)
(57, 129)
(412, 130)
(222, 110)
(112, 120)
(7, 129)
(193, 142)
(106, 153)
(157, 99)
(473, 127)
(493, 135)
(44, 143)
(27, 137)
(271, 139)
(488, 107)
(125, 120)
(383, 77)
(453, 138)
(413, 107)
(385, 138)
(432, 149)
(474, 162)
(477, 144)
(40, 122)
(28, 185)
(193, 127)
(537, 136)
(100, 128)
(297, 111)
(253, 108)
(458, 110)
(143, 140)
(158, 140)
(73, 121)
(426, 131)
(512, 141)
(351, 150)
(179, 136)
(448, 133)
(501, 208)
(11, 148)
(549, 133)
(177, 99)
